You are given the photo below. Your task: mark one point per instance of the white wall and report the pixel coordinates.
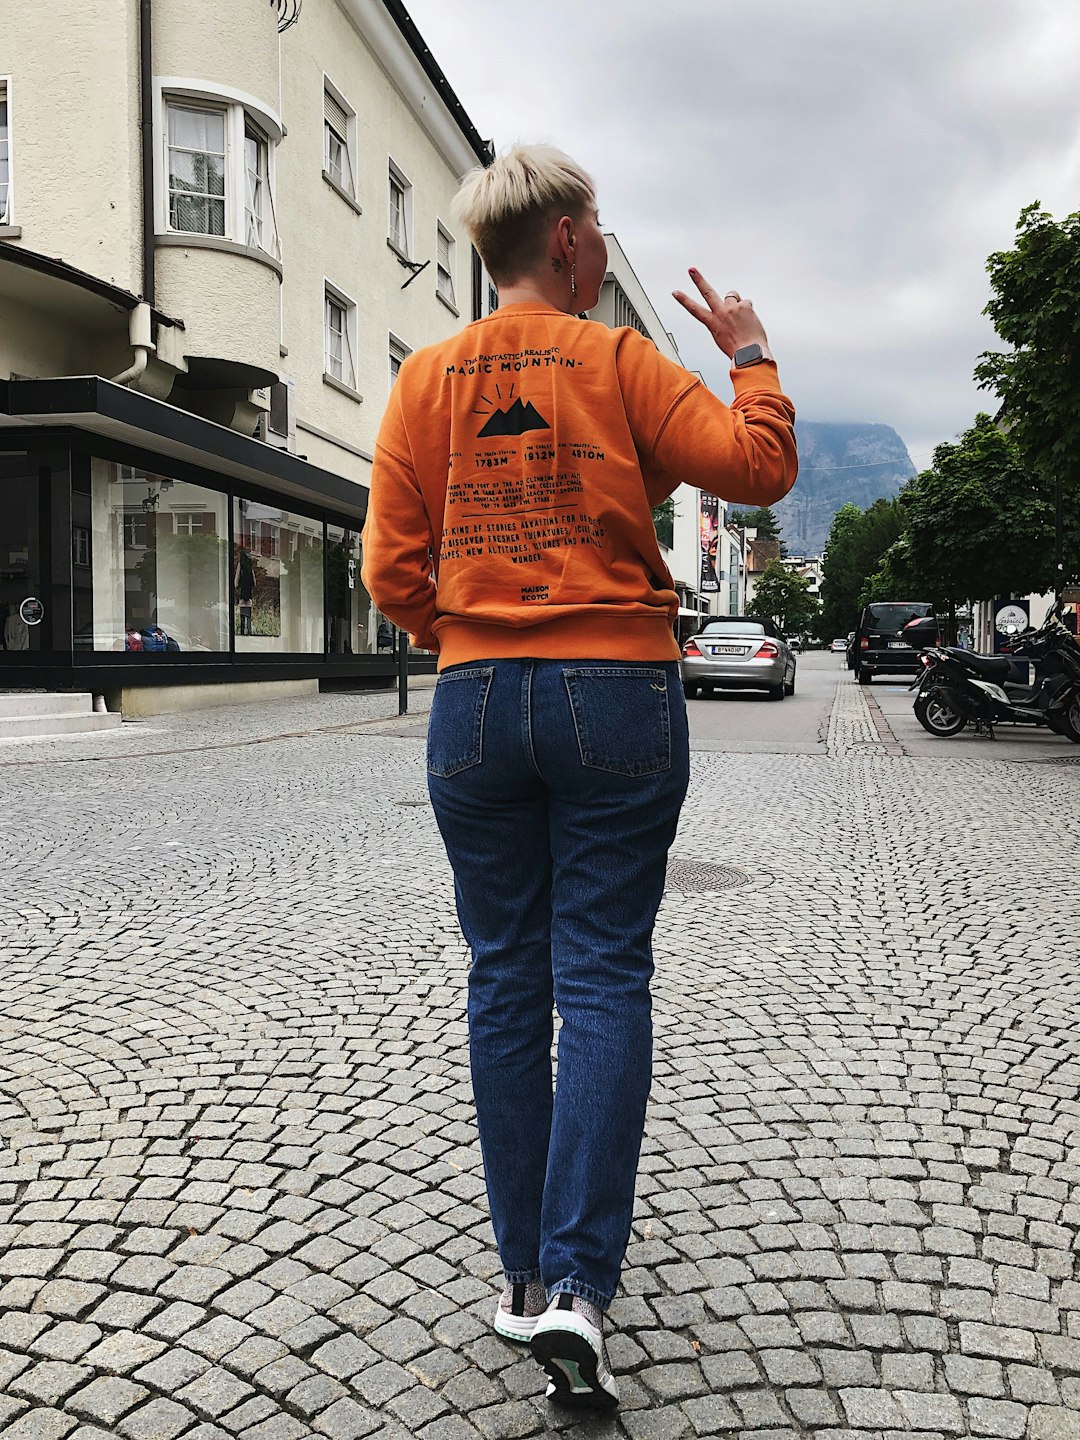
(75, 131)
(326, 239)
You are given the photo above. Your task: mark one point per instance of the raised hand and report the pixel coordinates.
(729, 319)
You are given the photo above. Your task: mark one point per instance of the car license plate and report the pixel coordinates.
(727, 649)
(899, 645)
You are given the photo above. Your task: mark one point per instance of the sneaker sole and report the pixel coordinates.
(518, 1328)
(569, 1362)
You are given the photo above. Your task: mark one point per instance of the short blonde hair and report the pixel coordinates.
(503, 205)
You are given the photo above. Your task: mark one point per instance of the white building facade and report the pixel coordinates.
(203, 310)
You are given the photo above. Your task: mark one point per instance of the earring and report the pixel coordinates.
(573, 281)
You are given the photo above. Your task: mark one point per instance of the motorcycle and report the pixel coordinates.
(958, 687)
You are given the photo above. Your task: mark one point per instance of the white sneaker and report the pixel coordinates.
(568, 1342)
(518, 1310)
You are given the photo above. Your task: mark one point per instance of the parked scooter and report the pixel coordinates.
(958, 687)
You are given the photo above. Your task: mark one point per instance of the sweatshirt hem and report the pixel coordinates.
(591, 637)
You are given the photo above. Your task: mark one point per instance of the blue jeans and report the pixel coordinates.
(557, 787)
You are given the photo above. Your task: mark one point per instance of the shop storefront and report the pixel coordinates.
(141, 545)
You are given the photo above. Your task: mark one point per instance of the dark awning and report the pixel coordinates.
(98, 407)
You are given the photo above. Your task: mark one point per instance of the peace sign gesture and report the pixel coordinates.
(729, 319)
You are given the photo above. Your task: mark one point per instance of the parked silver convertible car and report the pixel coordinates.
(736, 653)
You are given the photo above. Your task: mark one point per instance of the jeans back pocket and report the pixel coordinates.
(456, 728)
(622, 717)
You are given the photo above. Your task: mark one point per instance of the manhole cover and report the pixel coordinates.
(702, 875)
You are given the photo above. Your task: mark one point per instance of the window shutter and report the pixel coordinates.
(335, 114)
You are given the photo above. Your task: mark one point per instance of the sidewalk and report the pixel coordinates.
(893, 701)
(241, 1194)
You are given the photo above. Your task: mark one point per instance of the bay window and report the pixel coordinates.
(219, 172)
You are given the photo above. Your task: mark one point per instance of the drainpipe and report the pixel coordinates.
(146, 126)
(140, 319)
(139, 335)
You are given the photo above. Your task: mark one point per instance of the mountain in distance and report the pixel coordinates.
(838, 463)
(514, 421)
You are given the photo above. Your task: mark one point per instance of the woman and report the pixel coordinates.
(510, 530)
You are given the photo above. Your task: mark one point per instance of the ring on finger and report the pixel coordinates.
(732, 295)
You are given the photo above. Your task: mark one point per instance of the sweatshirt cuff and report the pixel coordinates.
(762, 376)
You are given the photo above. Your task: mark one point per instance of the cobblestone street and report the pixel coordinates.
(240, 1191)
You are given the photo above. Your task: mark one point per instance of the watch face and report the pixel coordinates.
(747, 354)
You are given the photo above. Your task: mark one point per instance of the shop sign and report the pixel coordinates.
(1010, 617)
(32, 610)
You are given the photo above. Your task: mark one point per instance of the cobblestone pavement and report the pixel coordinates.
(240, 1194)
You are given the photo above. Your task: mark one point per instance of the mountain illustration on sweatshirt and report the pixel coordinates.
(515, 420)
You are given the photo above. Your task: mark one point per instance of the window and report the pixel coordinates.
(220, 171)
(257, 188)
(340, 337)
(80, 545)
(444, 265)
(399, 353)
(339, 127)
(193, 524)
(157, 587)
(197, 170)
(350, 621)
(277, 578)
(5, 156)
(400, 204)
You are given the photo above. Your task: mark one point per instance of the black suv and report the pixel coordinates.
(878, 648)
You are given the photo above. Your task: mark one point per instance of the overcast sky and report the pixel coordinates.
(847, 164)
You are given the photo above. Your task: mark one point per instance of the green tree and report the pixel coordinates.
(664, 521)
(762, 520)
(857, 541)
(977, 522)
(1036, 310)
(897, 577)
(786, 598)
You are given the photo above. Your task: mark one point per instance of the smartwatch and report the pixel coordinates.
(747, 355)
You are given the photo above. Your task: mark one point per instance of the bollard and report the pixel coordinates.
(403, 672)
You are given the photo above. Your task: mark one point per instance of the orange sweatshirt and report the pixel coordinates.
(515, 473)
